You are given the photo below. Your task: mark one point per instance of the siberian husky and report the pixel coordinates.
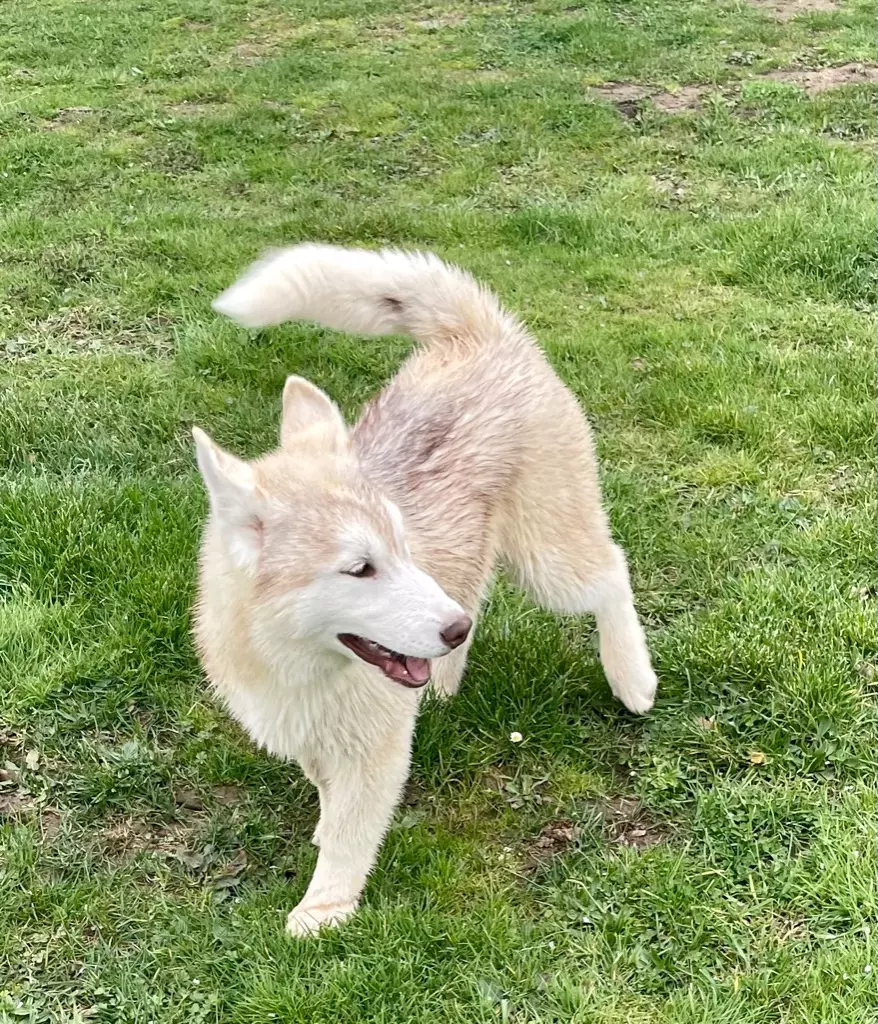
(344, 569)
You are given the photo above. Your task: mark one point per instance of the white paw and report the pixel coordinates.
(636, 690)
(308, 919)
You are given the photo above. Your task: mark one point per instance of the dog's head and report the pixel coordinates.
(326, 553)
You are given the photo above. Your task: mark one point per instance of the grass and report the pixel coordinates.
(704, 281)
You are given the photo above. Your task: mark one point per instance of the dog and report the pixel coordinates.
(343, 570)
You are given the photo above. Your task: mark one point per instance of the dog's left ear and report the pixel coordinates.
(235, 500)
(311, 417)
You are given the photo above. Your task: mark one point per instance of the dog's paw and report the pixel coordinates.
(636, 691)
(628, 668)
(308, 919)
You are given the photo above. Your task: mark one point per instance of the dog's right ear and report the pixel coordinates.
(234, 499)
(311, 417)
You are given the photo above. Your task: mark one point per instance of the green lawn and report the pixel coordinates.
(704, 281)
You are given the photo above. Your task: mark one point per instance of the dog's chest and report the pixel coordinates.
(323, 720)
(273, 720)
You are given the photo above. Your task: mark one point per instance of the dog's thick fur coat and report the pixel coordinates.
(388, 533)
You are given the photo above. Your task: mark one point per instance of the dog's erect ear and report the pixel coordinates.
(311, 417)
(234, 499)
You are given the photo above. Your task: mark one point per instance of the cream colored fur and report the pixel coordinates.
(474, 453)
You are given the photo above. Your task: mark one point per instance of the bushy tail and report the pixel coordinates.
(364, 292)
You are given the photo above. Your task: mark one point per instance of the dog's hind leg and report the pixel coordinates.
(556, 542)
(563, 582)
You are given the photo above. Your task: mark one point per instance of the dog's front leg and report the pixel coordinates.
(357, 805)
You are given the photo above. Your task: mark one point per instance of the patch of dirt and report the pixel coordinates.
(17, 804)
(623, 92)
(66, 116)
(188, 108)
(189, 800)
(671, 188)
(80, 329)
(268, 35)
(9, 738)
(129, 836)
(628, 97)
(789, 928)
(553, 839)
(686, 98)
(447, 19)
(228, 796)
(395, 28)
(387, 30)
(414, 794)
(814, 82)
(175, 157)
(50, 823)
(786, 10)
(15, 799)
(251, 53)
(14, 803)
(629, 825)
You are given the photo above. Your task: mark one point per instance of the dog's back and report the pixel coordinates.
(474, 425)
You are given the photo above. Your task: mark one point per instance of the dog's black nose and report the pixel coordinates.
(455, 634)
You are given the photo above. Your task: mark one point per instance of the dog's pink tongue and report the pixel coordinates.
(418, 669)
(409, 671)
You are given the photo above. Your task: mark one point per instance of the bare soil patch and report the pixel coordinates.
(629, 825)
(228, 796)
(268, 36)
(14, 803)
(50, 823)
(15, 799)
(786, 10)
(81, 329)
(628, 97)
(673, 190)
(18, 804)
(685, 98)
(251, 53)
(189, 800)
(128, 836)
(554, 838)
(65, 117)
(817, 81)
(442, 19)
(189, 108)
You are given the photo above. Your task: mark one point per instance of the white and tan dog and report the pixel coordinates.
(335, 569)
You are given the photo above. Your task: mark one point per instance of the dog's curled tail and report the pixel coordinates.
(365, 292)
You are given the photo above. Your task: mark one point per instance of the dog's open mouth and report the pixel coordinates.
(412, 672)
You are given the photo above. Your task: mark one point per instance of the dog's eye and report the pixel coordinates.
(362, 572)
